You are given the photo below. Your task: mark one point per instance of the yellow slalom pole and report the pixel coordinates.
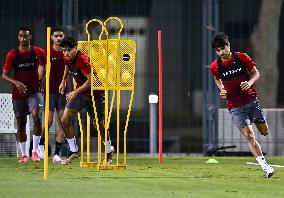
(81, 132)
(88, 137)
(46, 104)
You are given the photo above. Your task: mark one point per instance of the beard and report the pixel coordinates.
(24, 43)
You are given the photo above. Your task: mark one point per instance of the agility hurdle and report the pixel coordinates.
(112, 70)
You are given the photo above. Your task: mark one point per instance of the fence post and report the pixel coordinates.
(153, 100)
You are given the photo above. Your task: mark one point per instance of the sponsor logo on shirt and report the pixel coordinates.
(26, 64)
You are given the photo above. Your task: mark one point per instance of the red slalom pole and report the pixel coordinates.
(160, 96)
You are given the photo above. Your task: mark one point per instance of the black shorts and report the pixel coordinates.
(80, 102)
(57, 101)
(25, 107)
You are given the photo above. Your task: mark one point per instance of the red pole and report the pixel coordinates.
(160, 96)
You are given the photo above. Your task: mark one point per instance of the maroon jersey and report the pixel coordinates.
(25, 65)
(78, 69)
(56, 70)
(232, 72)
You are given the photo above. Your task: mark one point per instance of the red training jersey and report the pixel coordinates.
(25, 65)
(232, 72)
(79, 69)
(57, 66)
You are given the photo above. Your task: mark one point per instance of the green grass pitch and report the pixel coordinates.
(145, 177)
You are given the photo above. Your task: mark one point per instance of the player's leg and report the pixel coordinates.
(253, 145)
(60, 106)
(256, 150)
(70, 111)
(243, 119)
(21, 111)
(59, 139)
(52, 102)
(68, 127)
(259, 120)
(42, 138)
(258, 117)
(262, 128)
(33, 102)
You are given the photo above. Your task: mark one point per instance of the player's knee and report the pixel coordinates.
(37, 120)
(64, 122)
(262, 128)
(248, 133)
(21, 136)
(21, 123)
(50, 123)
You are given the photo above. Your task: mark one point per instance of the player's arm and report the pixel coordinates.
(41, 77)
(62, 85)
(80, 89)
(41, 67)
(218, 82)
(6, 73)
(254, 76)
(84, 87)
(18, 84)
(251, 69)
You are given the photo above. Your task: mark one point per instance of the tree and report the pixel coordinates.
(265, 44)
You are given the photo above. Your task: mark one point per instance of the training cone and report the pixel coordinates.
(212, 161)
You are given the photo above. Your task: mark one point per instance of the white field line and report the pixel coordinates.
(256, 164)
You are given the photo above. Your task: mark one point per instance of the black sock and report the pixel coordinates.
(58, 147)
(42, 140)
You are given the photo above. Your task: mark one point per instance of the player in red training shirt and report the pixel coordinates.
(27, 62)
(234, 75)
(56, 100)
(78, 66)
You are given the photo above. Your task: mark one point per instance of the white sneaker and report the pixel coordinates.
(57, 159)
(41, 151)
(269, 171)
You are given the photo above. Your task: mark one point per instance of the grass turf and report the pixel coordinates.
(145, 177)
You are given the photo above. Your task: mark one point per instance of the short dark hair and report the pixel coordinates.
(25, 28)
(220, 39)
(57, 29)
(68, 42)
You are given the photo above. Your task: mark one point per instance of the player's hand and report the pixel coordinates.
(223, 94)
(70, 95)
(42, 85)
(245, 85)
(21, 86)
(62, 87)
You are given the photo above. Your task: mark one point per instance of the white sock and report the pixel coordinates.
(73, 145)
(261, 161)
(41, 148)
(36, 140)
(23, 148)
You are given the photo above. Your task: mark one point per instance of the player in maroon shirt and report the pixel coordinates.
(56, 100)
(27, 62)
(234, 75)
(78, 66)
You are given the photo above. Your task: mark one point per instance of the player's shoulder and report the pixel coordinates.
(11, 54)
(39, 49)
(82, 57)
(242, 55)
(214, 64)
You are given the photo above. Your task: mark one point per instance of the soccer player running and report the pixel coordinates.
(234, 75)
(56, 100)
(78, 66)
(27, 61)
